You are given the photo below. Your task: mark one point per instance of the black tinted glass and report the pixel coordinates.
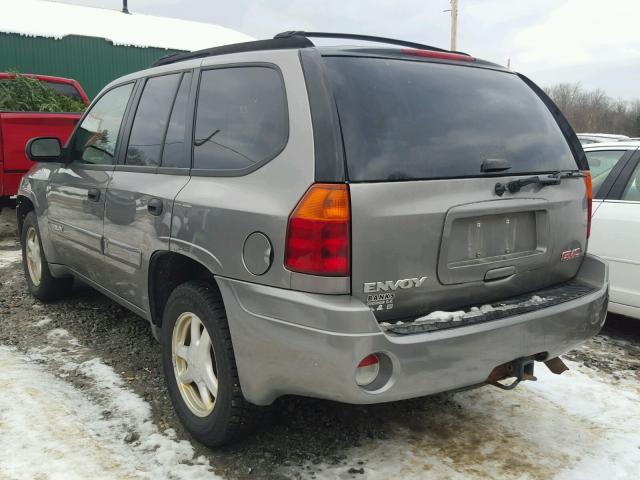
(404, 120)
(65, 89)
(150, 122)
(173, 153)
(242, 118)
(95, 140)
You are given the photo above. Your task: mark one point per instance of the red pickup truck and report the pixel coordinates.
(16, 128)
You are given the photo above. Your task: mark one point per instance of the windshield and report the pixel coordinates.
(409, 120)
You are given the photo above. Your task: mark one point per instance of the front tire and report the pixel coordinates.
(41, 283)
(199, 365)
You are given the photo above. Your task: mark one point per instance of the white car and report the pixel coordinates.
(589, 138)
(615, 227)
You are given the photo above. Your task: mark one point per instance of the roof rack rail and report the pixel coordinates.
(287, 40)
(274, 44)
(368, 38)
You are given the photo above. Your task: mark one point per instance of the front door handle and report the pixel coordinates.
(155, 206)
(93, 194)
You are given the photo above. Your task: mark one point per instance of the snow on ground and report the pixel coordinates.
(52, 430)
(579, 425)
(65, 414)
(7, 257)
(44, 321)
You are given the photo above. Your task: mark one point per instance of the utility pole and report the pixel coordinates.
(454, 25)
(125, 8)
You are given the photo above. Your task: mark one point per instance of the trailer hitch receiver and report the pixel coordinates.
(519, 369)
(522, 369)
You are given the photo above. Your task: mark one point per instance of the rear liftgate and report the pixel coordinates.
(522, 369)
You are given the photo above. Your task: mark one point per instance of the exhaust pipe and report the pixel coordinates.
(521, 369)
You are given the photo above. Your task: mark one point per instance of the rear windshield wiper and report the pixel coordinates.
(551, 179)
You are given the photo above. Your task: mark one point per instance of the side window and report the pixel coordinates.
(173, 153)
(241, 118)
(95, 139)
(601, 163)
(150, 122)
(632, 191)
(65, 89)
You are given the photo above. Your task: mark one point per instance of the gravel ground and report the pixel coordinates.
(302, 436)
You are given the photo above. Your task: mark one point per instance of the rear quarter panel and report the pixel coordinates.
(213, 216)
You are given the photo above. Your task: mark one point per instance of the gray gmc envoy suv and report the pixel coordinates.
(361, 224)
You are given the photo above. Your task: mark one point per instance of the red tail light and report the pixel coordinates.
(587, 183)
(441, 55)
(318, 235)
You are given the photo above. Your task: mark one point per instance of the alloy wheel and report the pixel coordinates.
(33, 256)
(194, 364)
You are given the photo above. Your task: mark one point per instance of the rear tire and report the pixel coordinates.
(195, 310)
(41, 283)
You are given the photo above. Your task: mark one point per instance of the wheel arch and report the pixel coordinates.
(167, 270)
(24, 205)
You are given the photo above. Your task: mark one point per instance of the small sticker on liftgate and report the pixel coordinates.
(381, 301)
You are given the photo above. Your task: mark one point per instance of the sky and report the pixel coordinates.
(594, 42)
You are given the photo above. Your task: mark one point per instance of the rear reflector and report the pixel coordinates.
(318, 234)
(589, 194)
(367, 370)
(441, 55)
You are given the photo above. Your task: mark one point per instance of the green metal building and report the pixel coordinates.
(94, 62)
(92, 45)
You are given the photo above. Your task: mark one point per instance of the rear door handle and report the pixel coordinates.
(155, 206)
(93, 194)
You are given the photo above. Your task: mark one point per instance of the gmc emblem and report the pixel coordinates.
(570, 254)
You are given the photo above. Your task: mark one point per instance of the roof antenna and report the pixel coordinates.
(124, 7)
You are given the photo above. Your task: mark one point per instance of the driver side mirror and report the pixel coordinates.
(44, 149)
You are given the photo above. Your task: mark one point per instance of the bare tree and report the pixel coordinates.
(595, 111)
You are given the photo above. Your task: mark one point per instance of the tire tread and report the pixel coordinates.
(242, 415)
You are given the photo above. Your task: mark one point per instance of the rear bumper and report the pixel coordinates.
(306, 344)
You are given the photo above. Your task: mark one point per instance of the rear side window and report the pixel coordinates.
(150, 122)
(241, 118)
(173, 153)
(65, 89)
(411, 120)
(601, 163)
(632, 191)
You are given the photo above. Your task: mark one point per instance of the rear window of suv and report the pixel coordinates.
(411, 120)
